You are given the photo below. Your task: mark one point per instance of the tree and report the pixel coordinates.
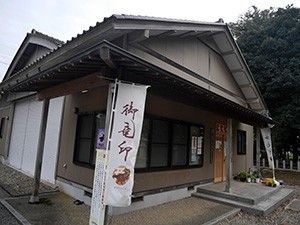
(270, 42)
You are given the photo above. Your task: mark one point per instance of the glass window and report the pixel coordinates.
(142, 155)
(86, 140)
(159, 155)
(179, 155)
(161, 131)
(2, 125)
(241, 142)
(166, 144)
(180, 145)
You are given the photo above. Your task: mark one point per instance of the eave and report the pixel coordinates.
(106, 55)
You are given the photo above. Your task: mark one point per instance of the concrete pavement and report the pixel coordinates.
(58, 208)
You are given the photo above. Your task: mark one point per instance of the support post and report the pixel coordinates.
(228, 154)
(40, 151)
(258, 150)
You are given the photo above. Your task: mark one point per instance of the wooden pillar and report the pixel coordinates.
(258, 150)
(39, 155)
(228, 154)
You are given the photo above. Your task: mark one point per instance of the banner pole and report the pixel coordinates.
(111, 103)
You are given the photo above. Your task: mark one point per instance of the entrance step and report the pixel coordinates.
(250, 193)
(259, 199)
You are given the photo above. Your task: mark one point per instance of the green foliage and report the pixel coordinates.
(270, 42)
(242, 175)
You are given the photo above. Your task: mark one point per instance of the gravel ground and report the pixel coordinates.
(24, 184)
(280, 215)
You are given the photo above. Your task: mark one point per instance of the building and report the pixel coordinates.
(201, 87)
(21, 113)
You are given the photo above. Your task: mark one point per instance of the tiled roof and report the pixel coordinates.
(55, 40)
(159, 19)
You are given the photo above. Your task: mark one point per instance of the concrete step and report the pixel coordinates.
(249, 194)
(262, 208)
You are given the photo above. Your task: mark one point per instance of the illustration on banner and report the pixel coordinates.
(121, 175)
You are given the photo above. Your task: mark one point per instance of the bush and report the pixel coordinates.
(242, 176)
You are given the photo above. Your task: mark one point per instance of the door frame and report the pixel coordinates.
(221, 131)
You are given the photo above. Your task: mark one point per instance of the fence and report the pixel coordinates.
(287, 165)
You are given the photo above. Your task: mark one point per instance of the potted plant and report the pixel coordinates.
(273, 183)
(242, 176)
(257, 179)
(249, 177)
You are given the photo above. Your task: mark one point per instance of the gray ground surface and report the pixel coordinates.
(182, 212)
(279, 216)
(58, 208)
(54, 208)
(6, 218)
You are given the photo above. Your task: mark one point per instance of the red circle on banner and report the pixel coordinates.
(121, 175)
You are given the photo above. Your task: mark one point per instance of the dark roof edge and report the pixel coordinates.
(33, 32)
(247, 67)
(159, 19)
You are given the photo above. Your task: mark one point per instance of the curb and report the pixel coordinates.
(222, 217)
(17, 215)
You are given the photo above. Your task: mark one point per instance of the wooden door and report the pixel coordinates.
(220, 164)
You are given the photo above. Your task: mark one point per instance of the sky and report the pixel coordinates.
(64, 19)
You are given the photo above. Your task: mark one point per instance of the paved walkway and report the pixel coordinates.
(58, 208)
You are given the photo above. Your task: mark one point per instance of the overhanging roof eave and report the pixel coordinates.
(236, 109)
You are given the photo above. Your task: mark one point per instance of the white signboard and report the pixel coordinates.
(266, 134)
(124, 143)
(97, 208)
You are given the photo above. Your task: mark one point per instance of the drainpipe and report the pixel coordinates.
(228, 154)
(40, 151)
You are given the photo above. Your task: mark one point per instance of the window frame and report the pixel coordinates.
(241, 142)
(92, 139)
(169, 166)
(2, 127)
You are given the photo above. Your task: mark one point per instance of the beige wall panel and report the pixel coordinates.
(203, 54)
(190, 54)
(227, 96)
(242, 162)
(194, 55)
(169, 109)
(94, 100)
(174, 50)
(155, 180)
(155, 106)
(222, 76)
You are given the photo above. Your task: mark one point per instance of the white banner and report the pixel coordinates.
(97, 209)
(124, 143)
(266, 134)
